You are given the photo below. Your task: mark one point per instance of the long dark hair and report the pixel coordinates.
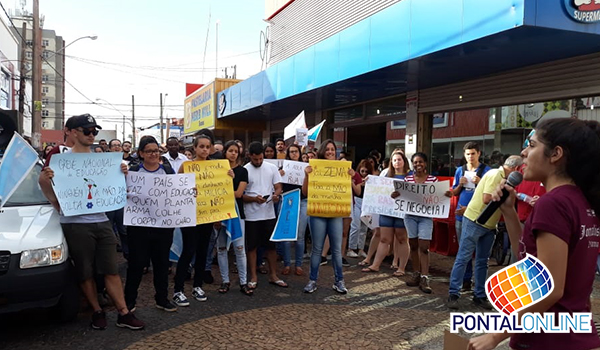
(229, 144)
(580, 141)
(287, 152)
(323, 147)
(146, 140)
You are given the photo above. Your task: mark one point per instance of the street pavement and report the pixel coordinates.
(379, 312)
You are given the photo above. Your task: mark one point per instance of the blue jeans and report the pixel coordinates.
(419, 227)
(287, 246)
(319, 228)
(478, 239)
(358, 230)
(240, 255)
(469, 271)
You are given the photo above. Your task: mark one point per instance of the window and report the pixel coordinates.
(45, 78)
(28, 54)
(45, 113)
(45, 54)
(5, 90)
(44, 102)
(45, 89)
(45, 125)
(29, 43)
(45, 42)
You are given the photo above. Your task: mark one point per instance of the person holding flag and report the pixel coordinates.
(240, 181)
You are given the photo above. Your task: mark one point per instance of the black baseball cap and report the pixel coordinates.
(82, 121)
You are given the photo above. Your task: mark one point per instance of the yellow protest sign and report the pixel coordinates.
(329, 188)
(216, 199)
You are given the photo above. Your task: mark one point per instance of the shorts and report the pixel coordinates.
(93, 249)
(258, 234)
(391, 221)
(419, 227)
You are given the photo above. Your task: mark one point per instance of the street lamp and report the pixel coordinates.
(93, 37)
(121, 113)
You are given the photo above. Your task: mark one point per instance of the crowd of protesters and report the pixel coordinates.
(550, 183)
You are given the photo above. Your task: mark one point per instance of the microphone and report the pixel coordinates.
(514, 179)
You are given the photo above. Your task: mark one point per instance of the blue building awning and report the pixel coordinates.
(416, 44)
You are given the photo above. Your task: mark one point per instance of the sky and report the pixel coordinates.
(149, 47)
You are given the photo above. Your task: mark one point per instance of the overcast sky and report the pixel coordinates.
(148, 47)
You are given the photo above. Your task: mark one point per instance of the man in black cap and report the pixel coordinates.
(92, 243)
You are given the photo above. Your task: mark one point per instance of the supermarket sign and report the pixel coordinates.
(199, 110)
(584, 11)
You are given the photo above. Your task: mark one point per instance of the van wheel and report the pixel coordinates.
(68, 305)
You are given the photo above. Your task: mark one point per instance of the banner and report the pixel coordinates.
(286, 228)
(277, 162)
(427, 200)
(293, 172)
(88, 183)
(160, 200)
(199, 109)
(16, 163)
(290, 130)
(329, 189)
(215, 200)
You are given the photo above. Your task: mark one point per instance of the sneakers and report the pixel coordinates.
(482, 303)
(414, 280)
(167, 306)
(311, 287)
(351, 254)
(323, 261)
(345, 262)
(199, 294)
(452, 302)
(99, 320)
(130, 321)
(339, 287)
(362, 254)
(424, 285)
(180, 299)
(467, 285)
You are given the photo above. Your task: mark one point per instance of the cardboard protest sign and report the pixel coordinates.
(329, 188)
(426, 200)
(286, 228)
(277, 162)
(302, 136)
(160, 200)
(293, 172)
(215, 200)
(87, 183)
(17, 162)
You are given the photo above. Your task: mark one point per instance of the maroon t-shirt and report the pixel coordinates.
(565, 212)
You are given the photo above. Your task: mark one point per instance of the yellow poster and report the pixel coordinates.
(199, 110)
(329, 188)
(215, 200)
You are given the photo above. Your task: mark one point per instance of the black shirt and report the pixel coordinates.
(241, 175)
(290, 187)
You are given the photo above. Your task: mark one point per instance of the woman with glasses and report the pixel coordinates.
(293, 153)
(149, 243)
(562, 230)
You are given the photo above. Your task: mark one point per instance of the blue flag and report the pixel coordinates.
(286, 228)
(17, 162)
(233, 228)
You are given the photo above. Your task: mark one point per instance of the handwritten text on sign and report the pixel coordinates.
(329, 188)
(160, 200)
(216, 200)
(426, 200)
(87, 183)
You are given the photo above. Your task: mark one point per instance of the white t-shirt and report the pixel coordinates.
(261, 182)
(175, 162)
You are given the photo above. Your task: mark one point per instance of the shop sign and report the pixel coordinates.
(199, 110)
(584, 11)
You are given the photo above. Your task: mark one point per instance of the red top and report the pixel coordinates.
(530, 188)
(565, 213)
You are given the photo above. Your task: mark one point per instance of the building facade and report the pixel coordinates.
(53, 70)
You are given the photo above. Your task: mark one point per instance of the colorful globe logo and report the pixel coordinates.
(521, 284)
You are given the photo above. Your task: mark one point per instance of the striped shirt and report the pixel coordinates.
(430, 179)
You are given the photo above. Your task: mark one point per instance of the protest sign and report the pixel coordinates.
(16, 163)
(160, 200)
(87, 183)
(329, 188)
(215, 200)
(286, 228)
(277, 162)
(427, 200)
(302, 136)
(293, 172)
(470, 175)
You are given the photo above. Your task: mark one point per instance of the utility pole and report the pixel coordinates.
(22, 81)
(162, 135)
(133, 118)
(36, 119)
